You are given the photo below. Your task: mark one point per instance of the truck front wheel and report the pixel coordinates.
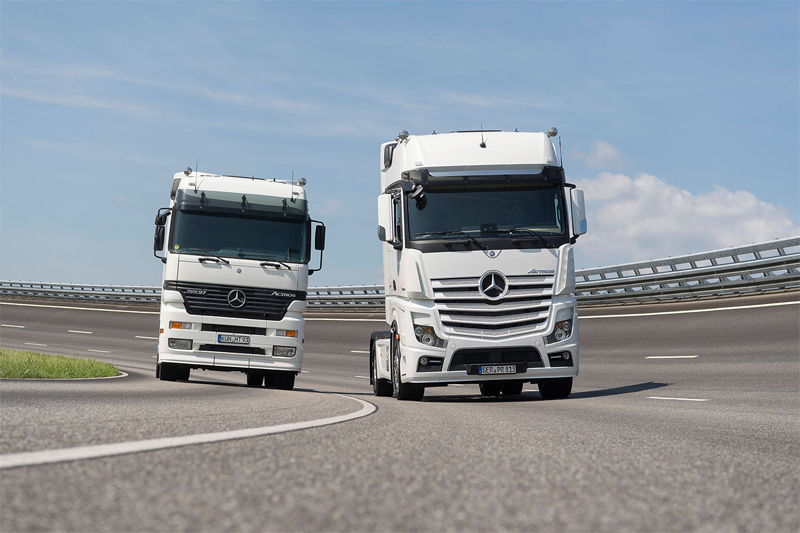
(402, 391)
(555, 389)
(380, 387)
(284, 380)
(255, 378)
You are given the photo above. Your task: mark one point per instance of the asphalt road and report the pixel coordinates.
(644, 443)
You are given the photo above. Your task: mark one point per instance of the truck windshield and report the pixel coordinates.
(256, 227)
(490, 211)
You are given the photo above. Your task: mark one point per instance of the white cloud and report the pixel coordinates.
(604, 155)
(635, 219)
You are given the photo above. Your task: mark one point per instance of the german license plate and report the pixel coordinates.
(497, 369)
(233, 339)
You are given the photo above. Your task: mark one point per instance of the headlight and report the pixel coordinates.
(563, 326)
(284, 351)
(427, 336)
(180, 344)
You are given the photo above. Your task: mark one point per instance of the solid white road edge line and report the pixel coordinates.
(13, 460)
(83, 308)
(672, 356)
(680, 399)
(76, 331)
(11, 326)
(734, 308)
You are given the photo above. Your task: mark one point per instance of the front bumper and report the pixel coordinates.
(207, 352)
(411, 354)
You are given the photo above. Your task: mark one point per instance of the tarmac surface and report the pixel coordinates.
(684, 418)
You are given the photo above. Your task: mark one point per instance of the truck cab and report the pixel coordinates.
(236, 266)
(478, 231)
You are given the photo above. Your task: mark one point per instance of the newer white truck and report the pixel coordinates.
(236, 269)
(478, 231)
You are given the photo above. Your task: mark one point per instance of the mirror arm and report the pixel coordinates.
(321, 252)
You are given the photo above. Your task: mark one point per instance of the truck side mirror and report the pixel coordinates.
(158, 240)
(578, 212)
(385, 218)
(319, 238)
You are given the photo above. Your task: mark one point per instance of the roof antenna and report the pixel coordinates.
(196, 180)
(483, 143)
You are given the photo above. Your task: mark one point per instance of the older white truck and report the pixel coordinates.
(236, 269)
(478, 230)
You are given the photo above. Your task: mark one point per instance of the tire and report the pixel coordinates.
(255, 378)
(284, 380)
(512, 388)
(402, 391)
(555, 389)
(380, 387)
(167, 372)
(491, 388)
(182, 373)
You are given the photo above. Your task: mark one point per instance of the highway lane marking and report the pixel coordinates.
(361, 377)
(304, 371)
(672, 356)
(83, 308)
(350, 319)
(11, 326)
(148, 338)
(12, 460)
(359, 351)
(679, 399)
(734, 308)
(98, 351)
(34, 344)
(77, 331)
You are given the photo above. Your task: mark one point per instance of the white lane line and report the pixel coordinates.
(34, 344)
(83, 308)
(672, 356)
(12, 460)
(734, 308)
(361, 377)
(155, 357)
(679, 399)
(11, 326)
(304, 371)
(77, 331)
(99, 351)
(359, 351)
(148, 338)
(350, 319)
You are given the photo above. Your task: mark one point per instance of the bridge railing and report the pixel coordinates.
(750, 269)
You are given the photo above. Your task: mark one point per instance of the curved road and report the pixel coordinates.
(684, 417)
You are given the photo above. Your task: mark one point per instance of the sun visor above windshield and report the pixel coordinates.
(247, 205)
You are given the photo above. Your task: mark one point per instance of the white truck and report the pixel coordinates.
(236, 269)
(478, 230)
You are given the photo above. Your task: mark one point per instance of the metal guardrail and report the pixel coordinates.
(748, 269)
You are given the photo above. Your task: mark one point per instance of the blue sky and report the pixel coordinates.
(680, 119)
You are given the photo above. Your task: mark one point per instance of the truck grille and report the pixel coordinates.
(464, 310)
(260, 303)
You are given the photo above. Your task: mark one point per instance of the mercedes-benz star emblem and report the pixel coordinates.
(236, 298)
(493, 285)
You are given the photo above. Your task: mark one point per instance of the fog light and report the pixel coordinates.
(285, 333)
(180, 344)
(180, 325)
(423, 361)
(561, 334)
(284, 351)
(565, 356)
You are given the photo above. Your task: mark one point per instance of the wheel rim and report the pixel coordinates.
(396, 369)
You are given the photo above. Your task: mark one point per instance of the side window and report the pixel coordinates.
(398, 218)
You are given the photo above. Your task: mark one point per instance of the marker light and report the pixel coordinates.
(180, 325)
(286, 333)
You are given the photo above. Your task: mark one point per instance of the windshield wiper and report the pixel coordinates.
(211, 256)
(528, 231)
(456, 232)
(275, 263)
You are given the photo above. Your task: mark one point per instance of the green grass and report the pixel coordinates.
(25, 364)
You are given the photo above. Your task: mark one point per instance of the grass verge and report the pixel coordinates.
(15, 364)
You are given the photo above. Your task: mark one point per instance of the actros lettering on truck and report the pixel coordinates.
(236, 267)
(478, 231)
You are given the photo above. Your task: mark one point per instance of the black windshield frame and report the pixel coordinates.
(487, 241)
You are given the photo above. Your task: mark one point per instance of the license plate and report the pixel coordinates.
(233, 339)
(497, 369)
